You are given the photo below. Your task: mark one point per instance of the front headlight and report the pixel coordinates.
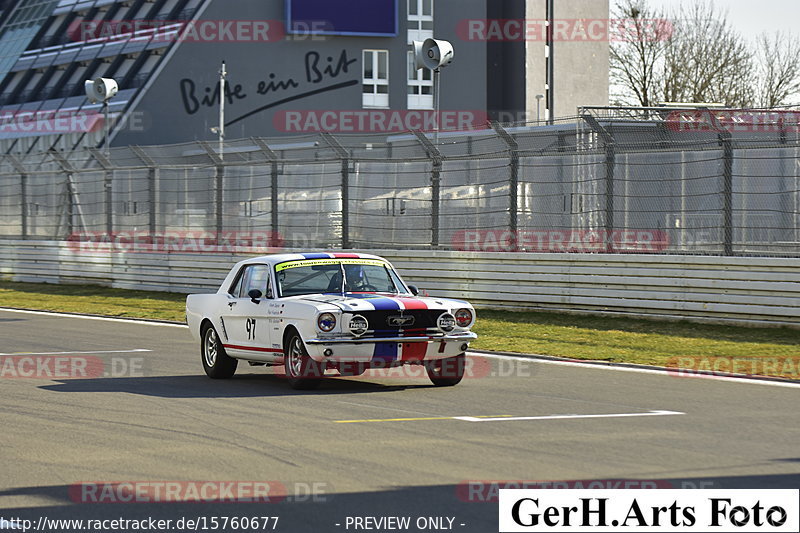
(326, 322)
(463, 318)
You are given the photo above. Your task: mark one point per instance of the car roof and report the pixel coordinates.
(274, 259)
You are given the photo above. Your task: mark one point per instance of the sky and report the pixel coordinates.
(752, 17)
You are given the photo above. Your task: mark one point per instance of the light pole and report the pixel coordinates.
(539, 108)
(551, 58)
(433, 54)
(222, 75)
(102, 90)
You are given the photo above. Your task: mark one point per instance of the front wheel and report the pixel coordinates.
(446, 372)
(302, 372)
(216, 361)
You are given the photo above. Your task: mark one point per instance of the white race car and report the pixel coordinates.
(315, 311)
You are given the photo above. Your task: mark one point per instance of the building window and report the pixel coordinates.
(420, 20)
(376, 78)
(420, 86)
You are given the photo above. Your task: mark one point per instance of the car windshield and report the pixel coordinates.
(321, 276)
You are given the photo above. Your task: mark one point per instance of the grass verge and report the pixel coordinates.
(93, 299)
(770, 351)
(722, 348)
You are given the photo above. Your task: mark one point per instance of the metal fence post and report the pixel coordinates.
(23, 194)
(152, 200)
(218, 201)
(610, 166)
(273, 197)
(219, 177)
(436, 184)
(436, 200)
(108, 184)
(23, 205)
(345, 203)
(611, 163)
(513, 187)
(726, 140)
(274, 206)
(71, 205)
(345, 156)
(107, 188)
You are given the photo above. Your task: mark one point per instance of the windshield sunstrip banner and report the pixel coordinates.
(316, 262)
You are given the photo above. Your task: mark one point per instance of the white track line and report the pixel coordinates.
(567, 417)
(105, 318)
(136, 350)
(671, 372)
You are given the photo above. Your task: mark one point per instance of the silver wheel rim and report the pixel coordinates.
(295, 357)
(210, 347)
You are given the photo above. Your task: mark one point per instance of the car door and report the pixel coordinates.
(246, 320)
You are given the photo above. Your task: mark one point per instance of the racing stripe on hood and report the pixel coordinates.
(412, 303)
(380, 303)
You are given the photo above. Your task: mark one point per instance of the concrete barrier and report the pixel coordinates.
(738, 289)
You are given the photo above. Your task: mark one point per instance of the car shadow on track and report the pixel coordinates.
(244, 386)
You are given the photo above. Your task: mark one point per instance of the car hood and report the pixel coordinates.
(360, 302)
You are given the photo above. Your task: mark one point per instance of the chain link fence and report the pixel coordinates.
(611, 180)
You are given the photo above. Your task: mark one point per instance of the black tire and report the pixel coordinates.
(216, 362)
(446, 372)
(302, 372)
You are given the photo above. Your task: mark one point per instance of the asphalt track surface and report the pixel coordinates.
(167, 422)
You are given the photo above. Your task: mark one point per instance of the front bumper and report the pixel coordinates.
(467, 336)
(389, 350)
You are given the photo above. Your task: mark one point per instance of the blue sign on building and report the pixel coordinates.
(342, 17)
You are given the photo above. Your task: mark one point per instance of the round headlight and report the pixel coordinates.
(358, 325)
(463, 317)
(446, 322)
(326, 322)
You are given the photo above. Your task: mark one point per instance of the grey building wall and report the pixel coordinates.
(516, 69)
(581, 66)
(172, 108)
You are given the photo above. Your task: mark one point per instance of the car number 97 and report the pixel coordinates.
(250, 326)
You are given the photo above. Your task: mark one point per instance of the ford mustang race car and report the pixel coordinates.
(311, 312)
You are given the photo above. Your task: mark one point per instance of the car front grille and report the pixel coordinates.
(389, 322)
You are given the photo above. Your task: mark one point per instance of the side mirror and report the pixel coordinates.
(414, 290)
(254, 295)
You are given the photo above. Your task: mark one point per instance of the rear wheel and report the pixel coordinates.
(446, 372)
(216, 362)
(302, 372)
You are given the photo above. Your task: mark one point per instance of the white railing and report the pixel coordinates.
(741, 289)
